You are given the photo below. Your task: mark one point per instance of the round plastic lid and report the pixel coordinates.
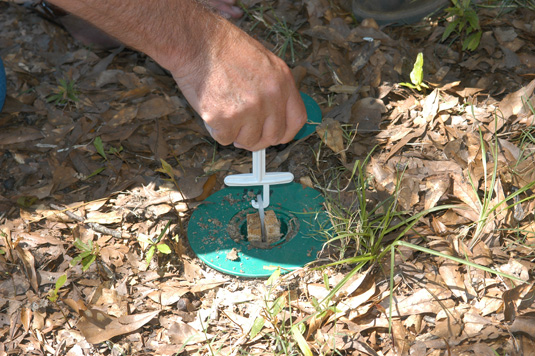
(217, 230)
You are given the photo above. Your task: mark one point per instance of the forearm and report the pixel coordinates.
(175, 33)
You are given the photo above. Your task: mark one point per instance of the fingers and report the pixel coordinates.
(281, 127)
(270, 133)
(259, 132)
(296, 116)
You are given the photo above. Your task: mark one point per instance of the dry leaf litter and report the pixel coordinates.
(430, 147)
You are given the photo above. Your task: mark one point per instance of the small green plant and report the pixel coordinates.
(26, 201)
(417, 74)
(287, 336)
(488, 207)
(99, 146)
(361, 230)
(168, 170)
(286, 36)
(155, 245)
(65, 93)
(463, 21)
(53, 293)
(88, 253)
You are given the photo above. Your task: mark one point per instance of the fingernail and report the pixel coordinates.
(236, 11)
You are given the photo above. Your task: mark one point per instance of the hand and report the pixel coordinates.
(245, 94)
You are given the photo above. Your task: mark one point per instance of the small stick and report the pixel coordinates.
(93, 226)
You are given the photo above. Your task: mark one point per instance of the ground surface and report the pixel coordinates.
(464, 141)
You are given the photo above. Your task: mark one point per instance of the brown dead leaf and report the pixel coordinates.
(516, 299)
(28, 265)
(155, 108)
(525, 324)
(449, 271)
(513, 104)
(366, 114)
(183, 334)
(420, 302)
(207, 188)
(112, 217)
(331, 133)
(110, 327)
(436, 187)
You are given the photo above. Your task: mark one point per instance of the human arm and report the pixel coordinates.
(245, 94)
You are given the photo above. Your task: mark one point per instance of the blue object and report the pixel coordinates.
(2, 85)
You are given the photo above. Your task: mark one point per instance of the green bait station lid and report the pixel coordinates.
(217, 230)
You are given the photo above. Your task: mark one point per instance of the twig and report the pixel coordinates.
(93, 226)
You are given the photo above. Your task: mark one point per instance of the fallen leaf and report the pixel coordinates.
(207, 188)
(155, 108)
(525, 324)
(366, 114)
(110, 327)
(112, 217)
(28, 264)
(436, 187)
(513, 104)
(183, 334)
(331, 133)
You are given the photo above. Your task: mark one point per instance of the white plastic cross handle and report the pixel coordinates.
(259, 177)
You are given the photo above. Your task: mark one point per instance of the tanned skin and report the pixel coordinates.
(245, 94)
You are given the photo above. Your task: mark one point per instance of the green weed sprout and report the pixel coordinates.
(286, 334)
(417, 74)
(88, 254)
(155, 245)
(99, 146)
(53, 293)
(64, 93)
(286, 36)
(465, 23)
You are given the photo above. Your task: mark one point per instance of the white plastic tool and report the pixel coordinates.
(259, 177)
